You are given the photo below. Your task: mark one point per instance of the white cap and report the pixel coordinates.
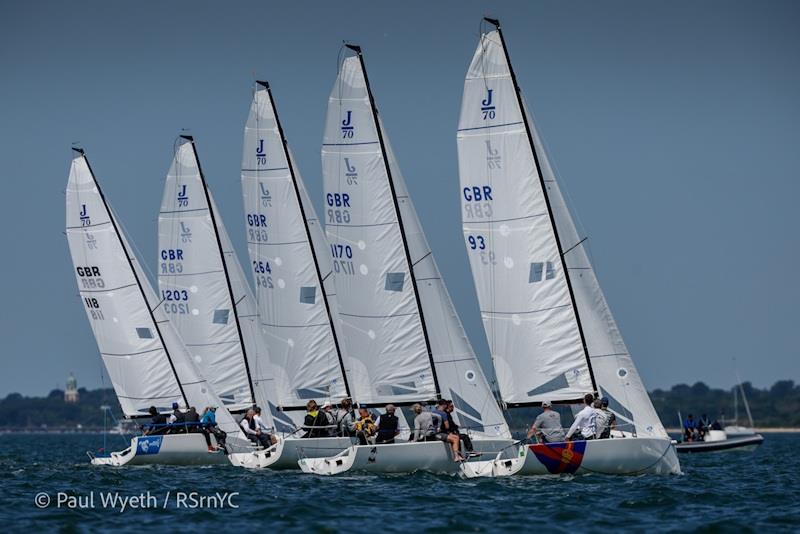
(547, 404)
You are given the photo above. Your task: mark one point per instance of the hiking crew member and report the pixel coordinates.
(262, 428)
(248, 425)
(157, 423)
(443, 432)
(365, 426)
(315, 421)
(388, 426)
(426, 424)
(346, 419)
(209, 425)
(192, 418)
(547, 426)
(330, 419)
(176, 418)
(606, 420)
(453, 427)
(584, 428)
(441, 411)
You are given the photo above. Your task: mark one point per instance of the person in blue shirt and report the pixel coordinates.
(689, 428)
(209, 426)
(445, 431)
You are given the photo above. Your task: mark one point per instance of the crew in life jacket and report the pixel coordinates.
(387, 424)
(315, 422)
(365, 426)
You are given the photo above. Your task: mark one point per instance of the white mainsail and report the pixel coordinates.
(551, 333)
(203, 288)
(291, 265)
(143, 353)
(405, 338)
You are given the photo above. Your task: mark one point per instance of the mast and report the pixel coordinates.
(224, 267)
(357, 50)
(133, 270)
(285, 147)
(496, 24)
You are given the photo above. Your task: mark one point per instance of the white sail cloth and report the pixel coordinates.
(522, 289)
(291, 271)
(145, 357)
(528, 316)
(614, 371)
(383, 324)
(203, 288)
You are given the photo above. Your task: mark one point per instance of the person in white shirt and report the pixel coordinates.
(262, 428)
(248, 425)
(584, 427)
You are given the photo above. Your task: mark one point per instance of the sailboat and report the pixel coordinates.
(143, 354)
(736, 429)
(405, 342)
(551, 333)
(294, 287)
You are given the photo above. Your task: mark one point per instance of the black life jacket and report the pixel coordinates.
(387, 426)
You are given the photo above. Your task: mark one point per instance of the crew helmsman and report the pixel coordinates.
(388, 426)
(584, 427)
(547, 426)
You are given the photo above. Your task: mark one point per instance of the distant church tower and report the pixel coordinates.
(71, 393)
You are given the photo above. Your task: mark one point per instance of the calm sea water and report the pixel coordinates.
(728, 492)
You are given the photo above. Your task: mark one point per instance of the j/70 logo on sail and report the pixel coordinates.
(266, 197)
(183, 197)
(261, 155)
(186, 233)
(347, 126)
(84, 216)
(351, 174)
(493, 159)
(487, 107)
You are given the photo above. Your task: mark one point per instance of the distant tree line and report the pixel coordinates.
(778, 406)
(773, 407)
(52, 413)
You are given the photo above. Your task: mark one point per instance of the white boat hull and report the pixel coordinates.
(401, 457)
(624, 456)
(170, 449)
(286, 453)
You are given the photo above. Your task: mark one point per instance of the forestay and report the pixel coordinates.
(143, 353)
(203, 287)
(527, 312)
(291, 265)
(401, 327)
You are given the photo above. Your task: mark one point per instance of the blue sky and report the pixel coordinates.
(674, 127)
